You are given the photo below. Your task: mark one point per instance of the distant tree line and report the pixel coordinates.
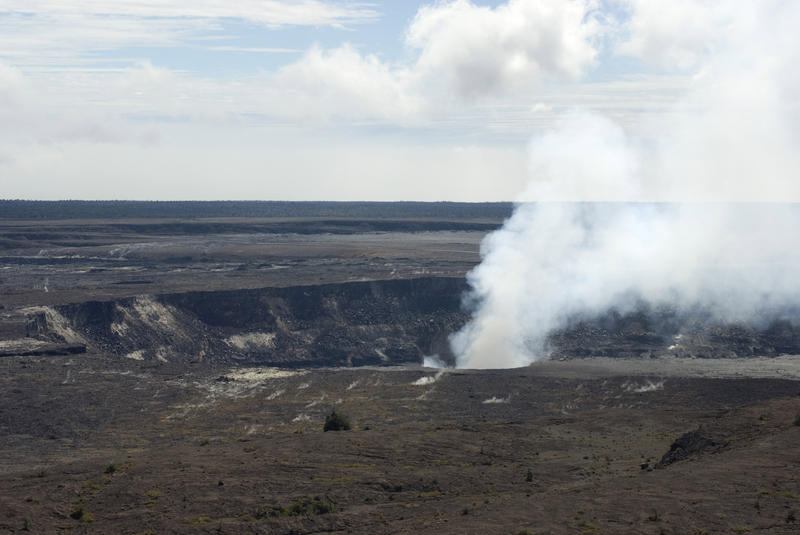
(22, 209)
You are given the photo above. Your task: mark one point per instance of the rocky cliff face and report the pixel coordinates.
(665, 332)
(352, 324)
(386, 322)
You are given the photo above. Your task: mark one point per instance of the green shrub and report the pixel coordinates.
(78, 513)
(336, 422)
(315, 506)
(302, 507)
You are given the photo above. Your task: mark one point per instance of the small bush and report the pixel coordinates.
(315, 506)
(302, 507)
(336, 422)
(200, 521)
(78, 513)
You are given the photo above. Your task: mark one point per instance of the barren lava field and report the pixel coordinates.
(172, 375)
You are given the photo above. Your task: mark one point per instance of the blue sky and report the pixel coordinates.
(328, 99)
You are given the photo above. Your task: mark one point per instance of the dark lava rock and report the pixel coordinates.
(47, 350)
(663, 331)
(374, 323)
(688, 445)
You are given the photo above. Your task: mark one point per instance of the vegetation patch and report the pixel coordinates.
(303, 507)
(200, 521)
(80, 514)
(336, 422)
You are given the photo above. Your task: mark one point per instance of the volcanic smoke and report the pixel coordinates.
(691, 209)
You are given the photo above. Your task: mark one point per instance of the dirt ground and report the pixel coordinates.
(73, 261)
(99, 445)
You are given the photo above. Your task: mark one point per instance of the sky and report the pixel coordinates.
(341, 100)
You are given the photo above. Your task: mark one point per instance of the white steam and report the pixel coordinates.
(433, 361)
(732, 141)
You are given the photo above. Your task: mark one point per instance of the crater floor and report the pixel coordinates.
(96, 444)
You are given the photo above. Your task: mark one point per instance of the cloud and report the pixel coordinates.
(466, 66)
(468, 75)
(255, 50)
(57, 33)
(345, 83)
(267, 12)
(11, 86)
(200, 163)
(20, 116)
(688, 34)
(673, 33)
(56, 111)
(460, 54)
(734, 135)
(479, 51)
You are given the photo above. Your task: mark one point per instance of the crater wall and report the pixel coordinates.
(384, 322)
(350, 324)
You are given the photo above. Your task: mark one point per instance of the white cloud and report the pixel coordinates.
(674, 33)
(734, 135)
(267, 12)
(255, 50)
(479, 51)
(262, 164)
(344, 83)
(19, 114)
(11, 85)
(687, 34)
(60, 108)
(470, 75)
(61, 32)
(463, 61)
(460, 54)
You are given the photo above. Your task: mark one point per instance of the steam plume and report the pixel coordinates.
(686, 210)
